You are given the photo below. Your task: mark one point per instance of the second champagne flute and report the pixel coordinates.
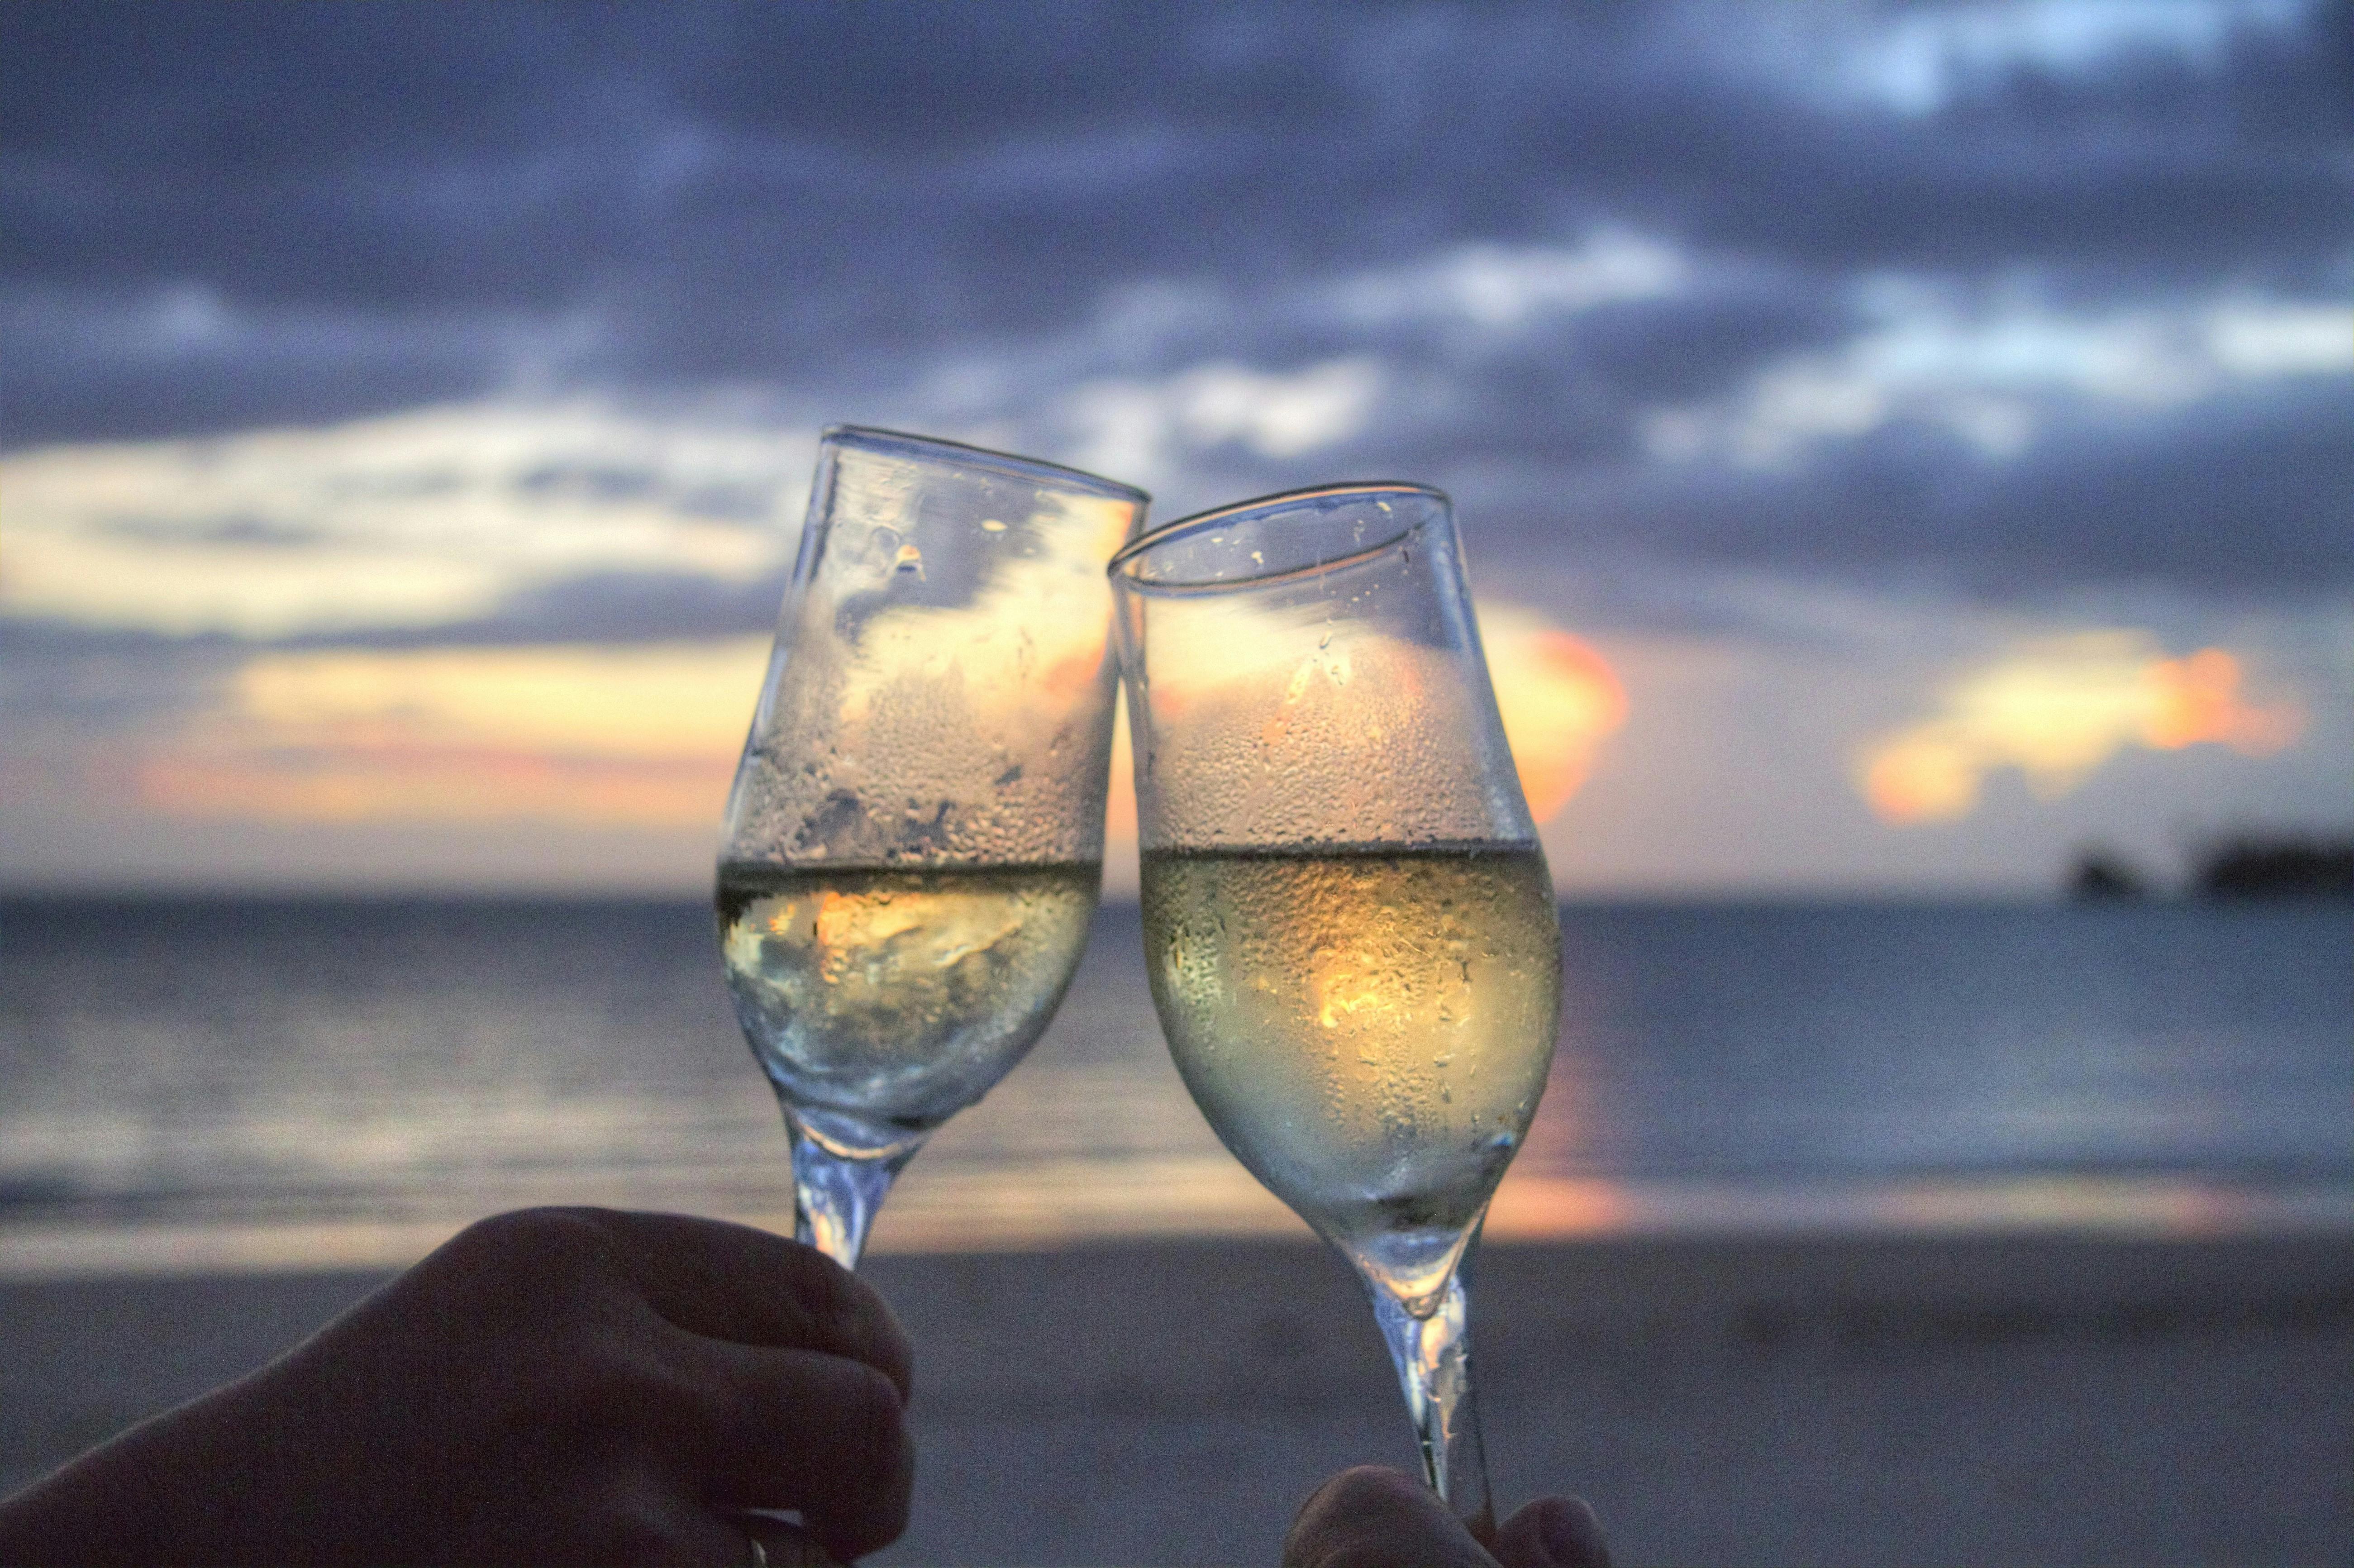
(914, 842)
(1350, 931)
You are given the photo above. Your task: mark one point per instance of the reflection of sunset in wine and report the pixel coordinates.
(2056, 710)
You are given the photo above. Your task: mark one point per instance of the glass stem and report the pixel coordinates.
(1434, 1366)
(835, 1194)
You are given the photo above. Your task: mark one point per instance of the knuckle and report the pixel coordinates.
(528, 1233)
(1367, 1517)
(522, 1223)
(1367, 1488)
(514, 1279)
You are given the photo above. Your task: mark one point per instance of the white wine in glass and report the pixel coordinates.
(1350, 932)
(914, 839)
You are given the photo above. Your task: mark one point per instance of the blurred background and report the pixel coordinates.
(1905, 455)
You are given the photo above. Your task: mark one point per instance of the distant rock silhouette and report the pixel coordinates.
(2256, 867)
(2101, 878)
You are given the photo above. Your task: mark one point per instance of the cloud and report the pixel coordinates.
(1502, 287)
(289, 216)
(1925, 58)
(2237, 498)
(1138, 430)
(436, 518)
(1992, 444)
(1997, 375)
(2056, 710)
(2010, 301)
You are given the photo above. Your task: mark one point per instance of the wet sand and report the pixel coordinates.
(1943, 1400)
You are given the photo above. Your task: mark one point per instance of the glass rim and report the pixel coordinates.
(874, 438)
(1120, 568)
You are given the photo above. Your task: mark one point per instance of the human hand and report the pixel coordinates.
(554, 1385)
(1374, 1518)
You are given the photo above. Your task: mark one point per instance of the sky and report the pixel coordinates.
(1897, 447)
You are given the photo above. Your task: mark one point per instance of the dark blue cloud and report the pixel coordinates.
(2241, 500)
(809, 170)
(220, 215)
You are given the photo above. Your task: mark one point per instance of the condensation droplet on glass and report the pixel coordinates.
(908, 559)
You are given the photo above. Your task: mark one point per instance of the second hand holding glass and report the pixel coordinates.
(914, 842)
(1350, 932)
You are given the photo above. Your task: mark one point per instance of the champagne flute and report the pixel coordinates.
(1349, 930)
(914, 842)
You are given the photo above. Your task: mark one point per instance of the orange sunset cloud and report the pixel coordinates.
(1560, 701)
(2057, 709)
(612, 736)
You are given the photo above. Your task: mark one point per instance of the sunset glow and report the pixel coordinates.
(2057, 709)
(648, 736)
(1559, 699)
(643, 736)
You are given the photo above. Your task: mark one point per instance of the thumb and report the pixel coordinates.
(1553, 1532)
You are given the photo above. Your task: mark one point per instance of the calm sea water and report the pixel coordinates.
(194, 1084)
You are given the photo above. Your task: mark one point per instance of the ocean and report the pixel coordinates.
(196, 1084)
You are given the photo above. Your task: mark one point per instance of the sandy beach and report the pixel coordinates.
(2017, 1400)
